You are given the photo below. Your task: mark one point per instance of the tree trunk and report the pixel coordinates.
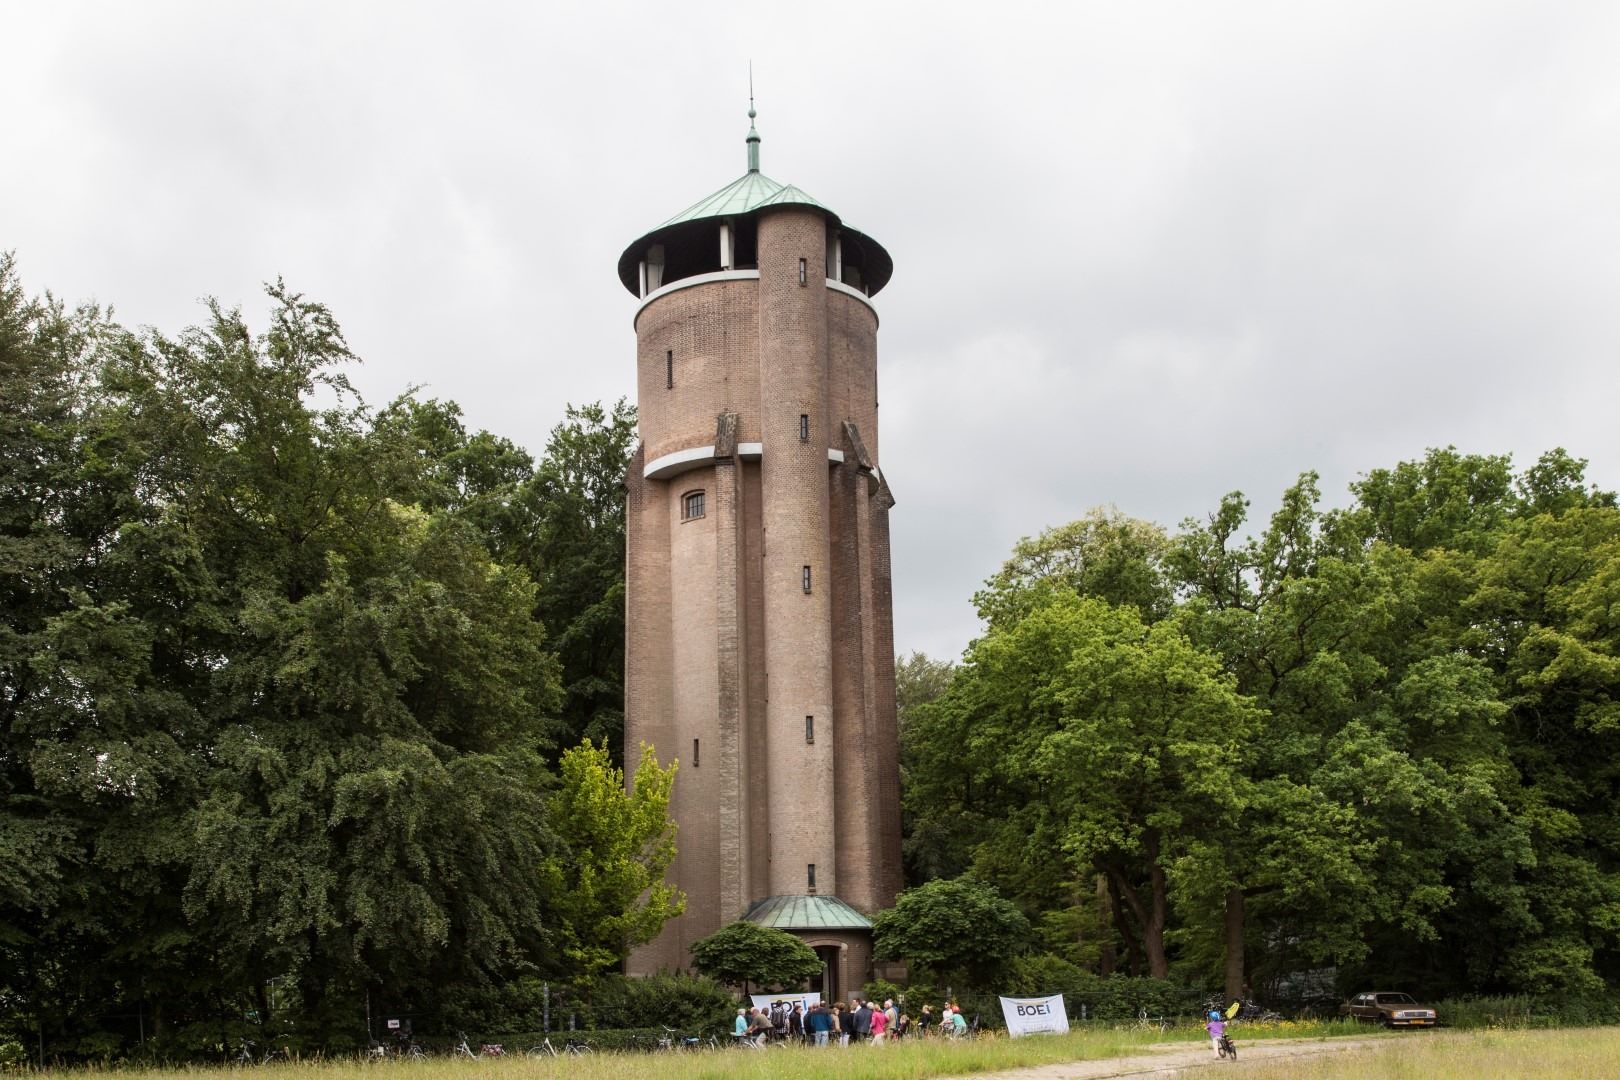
(1120, 890)
(1152, 915)
(1234, 944)
(1153, 931)
(1107, 959)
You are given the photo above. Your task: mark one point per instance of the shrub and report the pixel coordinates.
(1113, 997)
(1529, 1011)
(12, 1056)
(687, 1003)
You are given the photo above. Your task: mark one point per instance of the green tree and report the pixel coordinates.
(42, 504)
(476, 475)
(956, 929)
(1451, 500)
(1543, 617)
(1322, 624)
(604, 885)
(562, 520)
(576, 554)
(1105, 554)
(744, 953)
(295, 719)
(40, 345)
(929, 851)
(1080, 740)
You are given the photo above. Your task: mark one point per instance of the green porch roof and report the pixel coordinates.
(806, 913)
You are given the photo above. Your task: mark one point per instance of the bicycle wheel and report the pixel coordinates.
(543, 1050)
(1231, 1049)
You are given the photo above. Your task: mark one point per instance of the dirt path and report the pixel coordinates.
(1179, 1059)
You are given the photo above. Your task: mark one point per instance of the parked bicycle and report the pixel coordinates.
(576, 1047)
(673, 1040)
(1154, 1023)
(247, 1054)
(379, 1051)
(463, 1049)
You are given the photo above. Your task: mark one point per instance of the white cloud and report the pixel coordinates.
(1145, 253)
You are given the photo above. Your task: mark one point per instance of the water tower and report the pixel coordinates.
(759, 628)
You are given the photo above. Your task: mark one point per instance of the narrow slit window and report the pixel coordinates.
(810, 874)
(669, 369)
(810, 730)
(804, 272)
(804, 427)
(807, 579)
(695, 760)
(692, 505)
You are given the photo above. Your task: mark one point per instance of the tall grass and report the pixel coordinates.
(1481, 1055)
(902, 1061)
(1566, 1054)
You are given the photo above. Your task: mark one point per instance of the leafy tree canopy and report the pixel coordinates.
(1105, 554)
(745, 953)
(604, 885)
(956, 928)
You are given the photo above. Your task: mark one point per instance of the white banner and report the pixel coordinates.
(763, 1001)
(1025, 1016)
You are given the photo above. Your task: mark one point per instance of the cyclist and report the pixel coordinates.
(1216, 1028)
(760, 1028)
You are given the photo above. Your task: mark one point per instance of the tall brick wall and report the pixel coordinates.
(695, 692)
(758, 823)
(847, 490)
(885, 759)
(852, 365)
(713, 333)
(793, 384)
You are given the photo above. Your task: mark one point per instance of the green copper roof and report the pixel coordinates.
(744, 195)
(748, 194)
(807, 913)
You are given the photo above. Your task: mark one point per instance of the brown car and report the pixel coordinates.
(1388, 1008)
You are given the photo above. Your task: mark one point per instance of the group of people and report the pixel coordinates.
(862, 1022)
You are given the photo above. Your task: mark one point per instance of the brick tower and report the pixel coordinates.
(759, 644)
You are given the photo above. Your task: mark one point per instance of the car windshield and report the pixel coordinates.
(1395, 999)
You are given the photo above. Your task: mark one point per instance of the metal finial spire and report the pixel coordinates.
(753, 136)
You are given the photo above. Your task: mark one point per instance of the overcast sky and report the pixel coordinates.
(1145, 253)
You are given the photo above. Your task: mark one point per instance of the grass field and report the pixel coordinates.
(903, 1061)
(1570, 1054)
(1578, 1053)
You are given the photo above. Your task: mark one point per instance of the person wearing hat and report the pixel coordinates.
(1216, 1028)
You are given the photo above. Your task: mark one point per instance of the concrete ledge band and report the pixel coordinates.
(662, 468)
(738, 275)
